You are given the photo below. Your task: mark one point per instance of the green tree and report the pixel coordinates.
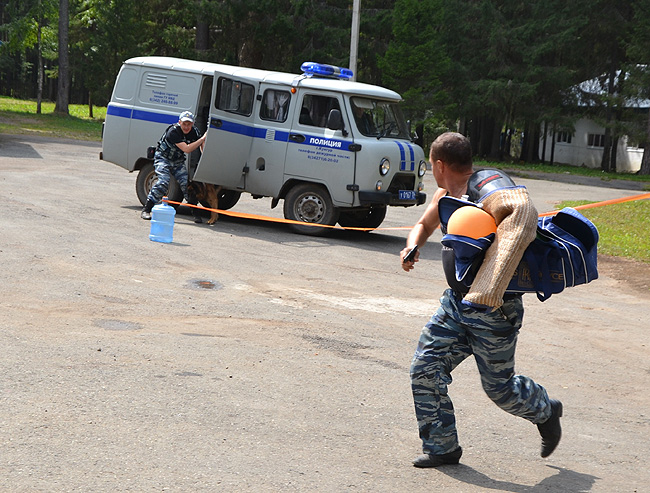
(416, 63)
(63, 92)
(29, 28)
(639, 84)
(103, 35)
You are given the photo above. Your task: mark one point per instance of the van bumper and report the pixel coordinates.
(388, 198)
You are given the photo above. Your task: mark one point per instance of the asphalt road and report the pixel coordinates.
(243, 357)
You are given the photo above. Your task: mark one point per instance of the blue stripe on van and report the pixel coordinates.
(412, 154)
(404, 164)
(150, 116)
(147, 116)
(248, 131)
(282, 136)
(228, 126)
(119, 111)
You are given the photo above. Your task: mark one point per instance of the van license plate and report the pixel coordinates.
(406, 195)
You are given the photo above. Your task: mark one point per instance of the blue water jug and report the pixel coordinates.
(162, 222)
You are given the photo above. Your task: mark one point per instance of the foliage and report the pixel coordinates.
(484, 67)
(415, 59)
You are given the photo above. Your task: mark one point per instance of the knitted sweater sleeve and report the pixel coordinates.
(516, 219)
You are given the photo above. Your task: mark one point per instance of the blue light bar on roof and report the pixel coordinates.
(323, 70)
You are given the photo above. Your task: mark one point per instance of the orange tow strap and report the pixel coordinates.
(258, 217)
(604, 202)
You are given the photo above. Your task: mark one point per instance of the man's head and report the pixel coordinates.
(453, 149)
(451, 160)
(186, 121)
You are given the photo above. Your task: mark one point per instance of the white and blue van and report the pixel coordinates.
(332, 149)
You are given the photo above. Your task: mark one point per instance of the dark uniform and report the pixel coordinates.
(169, 161)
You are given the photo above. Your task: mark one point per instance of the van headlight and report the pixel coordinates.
(384, 167)
(422, 168)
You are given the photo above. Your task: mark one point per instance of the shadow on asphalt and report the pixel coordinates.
(565, 480)
(273, 232)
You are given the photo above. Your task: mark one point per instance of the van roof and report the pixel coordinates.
(320, 83)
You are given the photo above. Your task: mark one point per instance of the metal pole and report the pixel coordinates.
(354, 41)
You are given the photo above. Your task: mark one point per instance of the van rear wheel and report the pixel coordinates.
(310, 203)
(147, 178)
(228, 199)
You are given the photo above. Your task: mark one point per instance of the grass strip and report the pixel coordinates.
(623, 228)
(20, 117)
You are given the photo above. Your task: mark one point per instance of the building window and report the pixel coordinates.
(596, 140)
(564, 137)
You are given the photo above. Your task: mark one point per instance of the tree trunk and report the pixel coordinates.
(202, 40)
(553, 147)
(39, 93)
(495, 141)
(606, 160)
(533, 138)
(645, 162)
(475, 134)
(63, 93)
(545, 141)
(613, 155)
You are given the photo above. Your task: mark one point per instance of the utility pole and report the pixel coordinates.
(354, 41)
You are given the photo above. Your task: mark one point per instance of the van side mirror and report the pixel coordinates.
(335, 121)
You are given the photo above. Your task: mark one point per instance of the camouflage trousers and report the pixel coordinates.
(455, 332)
(165, 169)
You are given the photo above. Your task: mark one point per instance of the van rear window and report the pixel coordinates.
(235, 96)
(275, 105)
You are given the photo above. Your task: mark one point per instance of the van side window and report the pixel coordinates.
(315, 110)
(275, 105)
(235, 96)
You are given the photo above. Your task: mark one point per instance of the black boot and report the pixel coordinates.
(428, 460)
(146, 210)
(551, 430)
(192, 200)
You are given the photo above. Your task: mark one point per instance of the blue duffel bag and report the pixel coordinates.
(564, 254)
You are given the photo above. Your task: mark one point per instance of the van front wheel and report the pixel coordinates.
(147, 179)
(310, 203)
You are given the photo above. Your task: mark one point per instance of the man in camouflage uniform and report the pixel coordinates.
(169, 160)
(482, 320)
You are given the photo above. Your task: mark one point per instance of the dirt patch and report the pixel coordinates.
(633, 275)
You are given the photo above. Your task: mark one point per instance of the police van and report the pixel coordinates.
(332, 149)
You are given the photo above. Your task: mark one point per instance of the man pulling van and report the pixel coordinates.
(334, 150)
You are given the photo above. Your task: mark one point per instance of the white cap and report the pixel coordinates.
(186, 116)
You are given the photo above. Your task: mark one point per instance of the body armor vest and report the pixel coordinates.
(169, 151)
(480, 184)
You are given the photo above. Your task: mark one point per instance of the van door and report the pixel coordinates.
(230, 133)
(269, 148)
(318, 154)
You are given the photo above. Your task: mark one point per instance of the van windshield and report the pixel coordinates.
(378, 118)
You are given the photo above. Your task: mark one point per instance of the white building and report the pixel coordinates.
(585, 148)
